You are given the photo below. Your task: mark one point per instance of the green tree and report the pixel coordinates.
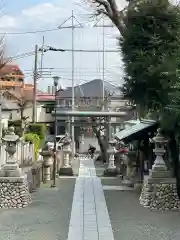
(149, 47)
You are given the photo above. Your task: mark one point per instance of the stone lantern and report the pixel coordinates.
(159, 168)
(66, 168)
(14, 186)
(11, 167)
(46, 153)
(159, 191)
(111, 169)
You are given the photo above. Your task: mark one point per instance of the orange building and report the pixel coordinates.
(11, 73)
(13, 85)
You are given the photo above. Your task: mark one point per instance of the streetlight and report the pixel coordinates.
(56, 80)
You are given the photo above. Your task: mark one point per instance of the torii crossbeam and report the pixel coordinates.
(89, 113)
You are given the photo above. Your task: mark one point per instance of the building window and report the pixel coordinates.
(48, 110)
(68, 103)
(61, 102)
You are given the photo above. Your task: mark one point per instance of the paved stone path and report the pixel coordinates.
(89, 216)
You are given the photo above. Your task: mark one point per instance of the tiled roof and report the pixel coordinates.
(27, 93)
(92, 89)
(143, 124)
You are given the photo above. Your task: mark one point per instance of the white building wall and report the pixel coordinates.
(41, 114)
(5, 119)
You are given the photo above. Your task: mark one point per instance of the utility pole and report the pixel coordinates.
(103, 61)
(73, 95)
(42, 56)
(1, 102)
(35, 85)
(72, 50)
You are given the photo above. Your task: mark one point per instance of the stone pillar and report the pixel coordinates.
(13, 184)
(127, 178)
(59, 160)
(68, 125)
(159, 189)
(66, 168)
(111, 169)
(47, 163)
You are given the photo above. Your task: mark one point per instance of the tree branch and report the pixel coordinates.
(109, 8)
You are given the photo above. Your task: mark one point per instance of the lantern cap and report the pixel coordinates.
(159, 138)
(11, 136)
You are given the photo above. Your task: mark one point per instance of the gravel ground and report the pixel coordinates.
(46, 218)
(131, 221)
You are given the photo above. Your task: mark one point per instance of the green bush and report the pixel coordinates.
(35, 139)
(39, 129)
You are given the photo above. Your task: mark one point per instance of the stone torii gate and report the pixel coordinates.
(106, 114)
(111, 168)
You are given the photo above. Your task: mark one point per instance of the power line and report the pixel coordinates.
(80, 79)
(55, 29)
(35, 31)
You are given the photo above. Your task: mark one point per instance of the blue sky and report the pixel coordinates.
(23, 16)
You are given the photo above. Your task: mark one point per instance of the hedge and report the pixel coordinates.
(39, 129)
(35, 139)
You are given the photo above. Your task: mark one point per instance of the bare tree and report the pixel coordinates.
(99, 124)
(110, 9)
(22, 102)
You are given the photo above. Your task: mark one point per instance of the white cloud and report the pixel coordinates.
(45, 13)
(7, 21)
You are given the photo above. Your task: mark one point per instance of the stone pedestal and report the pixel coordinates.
(160, 194)
(48, 161)
(10, 170)
(66, 169)
(14, 192)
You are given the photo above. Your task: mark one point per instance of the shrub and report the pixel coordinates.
(39, 129)
(35, 139)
